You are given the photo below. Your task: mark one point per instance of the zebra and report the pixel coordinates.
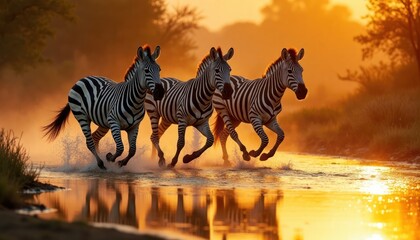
(190, 104)
(111, 105)
(259, 102)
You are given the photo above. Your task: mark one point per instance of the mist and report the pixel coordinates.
(104, 37)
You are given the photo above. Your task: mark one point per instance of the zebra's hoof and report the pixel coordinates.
(121, 163)
(264, 157)
(253, 153)
(162, 163)
(188, 158)
(226, 163)
(246, 157)
(109, 157)
(101, 165)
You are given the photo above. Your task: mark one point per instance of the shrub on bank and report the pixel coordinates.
(15, 170)
(384, 126)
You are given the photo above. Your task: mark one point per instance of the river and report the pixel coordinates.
(297, 197)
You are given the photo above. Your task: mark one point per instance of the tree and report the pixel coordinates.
(25, 27)
(394, 28)
(101, 40)
(175, 30)
(106, 34)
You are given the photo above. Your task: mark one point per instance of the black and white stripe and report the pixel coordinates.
(111, 105)
(258, 102)
(190, 103)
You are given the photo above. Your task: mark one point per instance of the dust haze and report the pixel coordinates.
(103, 41)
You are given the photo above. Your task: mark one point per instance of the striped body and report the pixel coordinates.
(102, 101)
(259, 102)
(189, 104)
(262, 99)
(111, 105)
(191, 100)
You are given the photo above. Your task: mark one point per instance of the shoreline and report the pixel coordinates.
(12, 225)
(363, 153)
(12, 221)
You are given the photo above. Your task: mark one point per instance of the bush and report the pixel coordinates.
(15, 170)
(385, 126)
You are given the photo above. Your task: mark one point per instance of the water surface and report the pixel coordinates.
(299, 197)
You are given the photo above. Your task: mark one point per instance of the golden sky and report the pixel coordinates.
(217, 13)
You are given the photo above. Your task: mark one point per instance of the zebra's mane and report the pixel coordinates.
(131, 71)
(273, 67)
(206, 62)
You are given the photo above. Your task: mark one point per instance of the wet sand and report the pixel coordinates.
(17, 226)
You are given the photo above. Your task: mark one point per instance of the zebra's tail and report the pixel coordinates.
(218, 127)
(53, 129)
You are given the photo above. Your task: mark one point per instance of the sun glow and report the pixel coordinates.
(375, 237)
(376, 187)
(249, 10)
(373, 182)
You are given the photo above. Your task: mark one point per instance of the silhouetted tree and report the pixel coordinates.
(25, 27)
(394, 28)
(106, 34)
(175, 32)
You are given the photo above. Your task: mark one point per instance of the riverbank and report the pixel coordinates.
(15, 226)
(383, 126)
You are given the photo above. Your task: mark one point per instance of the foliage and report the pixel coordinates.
(175, 30)
(394, 28)
(382, 119)
(106, 34)
(381, 78)
(25, 27)
(15, 171)
(382, 126)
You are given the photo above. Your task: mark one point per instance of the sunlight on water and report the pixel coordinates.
(288, 197)
(374, 183)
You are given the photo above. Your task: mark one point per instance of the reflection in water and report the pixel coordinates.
(96, 209)
(393, 216)
(206, 213)
(328, 200)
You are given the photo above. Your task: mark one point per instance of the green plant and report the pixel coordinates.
(15, 169)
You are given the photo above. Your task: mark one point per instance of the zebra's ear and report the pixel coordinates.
(300, 54)
(156, 53)
(213, 53)
(229, 54)
(285, 54)
(140, 53)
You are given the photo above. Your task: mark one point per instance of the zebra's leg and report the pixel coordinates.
(132, 139)
(116, 134)
(224, 135)
(231, 125)
(98, 135)
(274, 126)
(157, 132)
(154, 122)
(205, 130)
(85, 125)
(257, 124)
(182, 125)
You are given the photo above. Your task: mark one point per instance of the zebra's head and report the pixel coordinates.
(292, 72)
(220, 71)
(149, 71)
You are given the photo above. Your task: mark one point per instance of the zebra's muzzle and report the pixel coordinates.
(301, 91)
(227, 91)
(159, 92)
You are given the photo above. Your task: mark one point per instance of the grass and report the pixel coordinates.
(383, 126)
(15, 170)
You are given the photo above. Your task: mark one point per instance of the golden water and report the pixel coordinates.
(299, 197)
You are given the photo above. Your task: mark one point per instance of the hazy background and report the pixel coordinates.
(104, 36)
